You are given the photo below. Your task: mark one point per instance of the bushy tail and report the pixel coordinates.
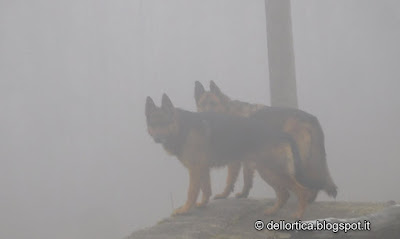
(317, 139)
(330, 187)
(318, 151)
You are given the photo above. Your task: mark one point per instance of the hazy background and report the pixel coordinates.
(75, 158)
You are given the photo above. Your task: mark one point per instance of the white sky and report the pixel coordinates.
(75, 158)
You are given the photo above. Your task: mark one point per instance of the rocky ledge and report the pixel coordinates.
(235, 219)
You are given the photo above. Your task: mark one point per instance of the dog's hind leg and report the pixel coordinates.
(303, 195)
(274, 180)
(282, 195)
(312, 195)
(248, 174)
(233, 172)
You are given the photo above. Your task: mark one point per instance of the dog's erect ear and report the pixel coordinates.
(214, 88)
(150, 106)
(198, 91)
(166, 103)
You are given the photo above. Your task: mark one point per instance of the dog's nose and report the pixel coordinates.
(157, 140)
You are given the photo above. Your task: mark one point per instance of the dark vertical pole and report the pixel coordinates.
(282, 73)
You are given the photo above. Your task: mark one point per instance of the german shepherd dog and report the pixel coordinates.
(303, 127)
(205, 140)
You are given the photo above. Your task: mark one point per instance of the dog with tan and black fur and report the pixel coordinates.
(303, 127)
(206, 140)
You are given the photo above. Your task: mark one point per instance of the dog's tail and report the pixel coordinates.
(330, 187)
(318, 153)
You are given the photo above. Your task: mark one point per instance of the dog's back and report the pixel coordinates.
(230, 138)
(223, 139)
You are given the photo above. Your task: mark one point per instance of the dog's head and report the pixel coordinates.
(210, 101)
(161, 121)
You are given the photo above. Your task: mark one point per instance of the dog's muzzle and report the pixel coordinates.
(157, 137)
(157, 140)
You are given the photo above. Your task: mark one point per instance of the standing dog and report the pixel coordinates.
(202, 141)
(303, 127)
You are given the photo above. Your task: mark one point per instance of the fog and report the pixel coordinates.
(76, 160)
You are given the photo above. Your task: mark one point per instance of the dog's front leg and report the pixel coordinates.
(195, 174)
(205, 188)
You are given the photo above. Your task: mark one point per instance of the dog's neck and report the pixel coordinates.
(173, 142)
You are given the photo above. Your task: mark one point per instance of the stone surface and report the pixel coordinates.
(235, 218)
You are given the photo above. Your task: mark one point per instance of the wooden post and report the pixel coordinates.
(282, 74)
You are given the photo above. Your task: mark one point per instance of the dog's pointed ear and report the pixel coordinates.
(214, 88)
(150, 106)
(198, 91)
(166, 103)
